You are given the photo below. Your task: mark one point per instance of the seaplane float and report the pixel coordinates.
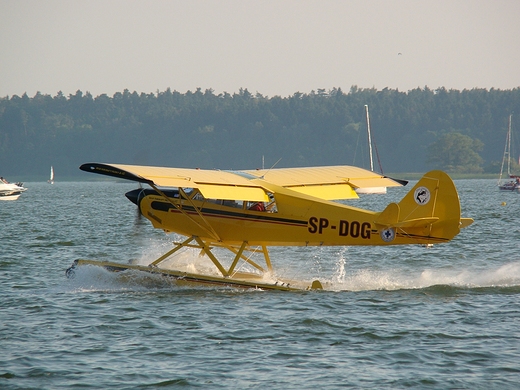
(10, 191)
(244, 212)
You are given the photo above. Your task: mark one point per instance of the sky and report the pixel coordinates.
(277, 47)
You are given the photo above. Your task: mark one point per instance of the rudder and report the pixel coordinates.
(429, 212)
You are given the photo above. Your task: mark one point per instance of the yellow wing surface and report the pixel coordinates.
(328, 182)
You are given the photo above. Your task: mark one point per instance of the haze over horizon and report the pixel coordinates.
(269, 47)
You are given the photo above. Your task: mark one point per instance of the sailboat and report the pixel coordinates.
(370, 190)
(51, 179)
(514, 184)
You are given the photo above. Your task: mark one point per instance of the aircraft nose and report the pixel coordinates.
(134, 196)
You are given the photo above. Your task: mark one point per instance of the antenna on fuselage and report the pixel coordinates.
(263, 176)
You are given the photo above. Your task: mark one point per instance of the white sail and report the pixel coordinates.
(51, 179)
(514, 180)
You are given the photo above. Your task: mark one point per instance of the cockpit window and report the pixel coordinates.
(269, 207)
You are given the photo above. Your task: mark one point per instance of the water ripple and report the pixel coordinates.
(408, 317)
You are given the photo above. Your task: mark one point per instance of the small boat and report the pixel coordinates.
(513, 185)
(370, 190)
(51, 179)
(10, 191)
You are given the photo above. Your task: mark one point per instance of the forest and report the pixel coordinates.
(414, 131)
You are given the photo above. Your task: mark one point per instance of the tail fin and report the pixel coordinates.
(429, 213)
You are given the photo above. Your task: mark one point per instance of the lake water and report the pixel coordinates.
(446, 317)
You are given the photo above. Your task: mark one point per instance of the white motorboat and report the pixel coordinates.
(10, 191)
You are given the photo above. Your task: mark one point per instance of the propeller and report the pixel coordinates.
(135, 197)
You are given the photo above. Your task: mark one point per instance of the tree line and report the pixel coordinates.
(413, 131)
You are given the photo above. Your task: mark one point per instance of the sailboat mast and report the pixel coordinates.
(369, 139)
(509, 147)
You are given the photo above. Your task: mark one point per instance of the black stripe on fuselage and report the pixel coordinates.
(268, 217)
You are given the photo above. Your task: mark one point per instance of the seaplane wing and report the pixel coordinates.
(213, 184)
(328, 182)
(241, 210)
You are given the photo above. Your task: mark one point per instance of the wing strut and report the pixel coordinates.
(207, 228)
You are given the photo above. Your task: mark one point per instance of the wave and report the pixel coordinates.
(507, 275)
(337, 276)
(504, 279)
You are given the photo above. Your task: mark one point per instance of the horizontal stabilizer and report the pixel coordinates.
(465, 222)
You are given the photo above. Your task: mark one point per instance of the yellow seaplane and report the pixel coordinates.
(248, 211)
